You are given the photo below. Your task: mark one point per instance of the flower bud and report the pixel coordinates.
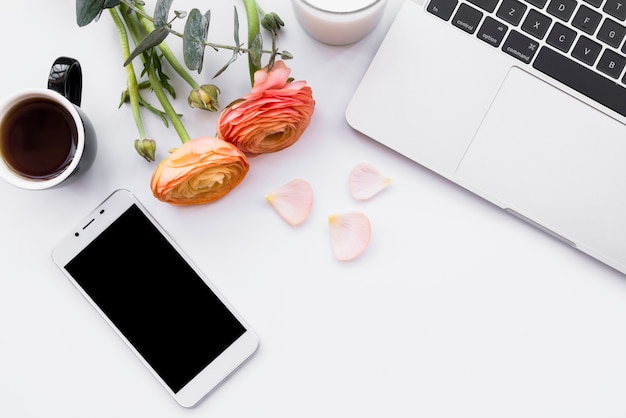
(272, 22)
(146, 148)
(125, 97)
(205, 98)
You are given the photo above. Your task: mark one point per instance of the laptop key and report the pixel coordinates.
(536, 24)
(442, 8)
(487, 5)
(611, 63)
(511, 11)
(582, 79)
(562, 9)
(492, 31)
(467, 18)
(586, 19)
(537, 3)
(611, 32)
(615, 8)
(520, 46)
(586, 50)
(561, 37)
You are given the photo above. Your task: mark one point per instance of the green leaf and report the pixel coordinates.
(153, 39)
(155, 59)
(237, 51)
(256, 51)
(161, 114)
(88, 10)
(161, 12)
(232, 59)
(236, 26)
(194, 37)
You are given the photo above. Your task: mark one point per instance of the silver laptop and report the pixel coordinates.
(523, 102)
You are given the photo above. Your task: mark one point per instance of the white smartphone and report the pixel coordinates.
(160, 304)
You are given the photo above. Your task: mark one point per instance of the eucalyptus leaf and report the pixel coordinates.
(256, 51)
(237, 43)
(194, 37)
(232, 59)
(270, 64)
(161, 12)
(153, 39)
(109, 4)
(88, 10)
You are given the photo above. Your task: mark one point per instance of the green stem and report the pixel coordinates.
(133, 89)
(254, 27)
(167, 106)
(155, 83)
(134, 29)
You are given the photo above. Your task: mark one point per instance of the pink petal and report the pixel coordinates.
(366, 181)
(293, 201)
(274, 79)
(349, 234)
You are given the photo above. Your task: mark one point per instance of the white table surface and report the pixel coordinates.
(456, 309)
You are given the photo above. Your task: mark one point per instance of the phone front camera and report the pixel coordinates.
(76, 234)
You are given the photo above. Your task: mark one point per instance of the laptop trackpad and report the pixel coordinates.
(554, 160)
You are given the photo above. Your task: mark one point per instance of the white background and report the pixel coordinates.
(456, 309)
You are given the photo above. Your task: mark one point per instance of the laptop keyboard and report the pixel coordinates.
(579, 43)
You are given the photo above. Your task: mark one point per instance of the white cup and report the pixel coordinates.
(45, 138)
(338, 22)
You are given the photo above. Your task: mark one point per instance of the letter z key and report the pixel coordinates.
(511, 11)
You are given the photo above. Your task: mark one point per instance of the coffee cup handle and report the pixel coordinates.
(66, 78)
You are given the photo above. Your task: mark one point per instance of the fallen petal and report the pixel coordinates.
(349, 234)
(366, 181)
(293, 201)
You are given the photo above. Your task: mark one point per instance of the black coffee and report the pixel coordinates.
(38, 138)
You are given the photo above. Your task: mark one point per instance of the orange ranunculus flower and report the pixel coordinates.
(272, 117)
(200, 171)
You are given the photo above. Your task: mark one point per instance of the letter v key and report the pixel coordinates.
(586, 50)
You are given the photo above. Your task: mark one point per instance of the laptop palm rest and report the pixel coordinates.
(555, 161)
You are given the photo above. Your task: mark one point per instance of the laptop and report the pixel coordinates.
(522, 102)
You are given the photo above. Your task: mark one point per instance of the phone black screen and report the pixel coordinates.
(157, 301)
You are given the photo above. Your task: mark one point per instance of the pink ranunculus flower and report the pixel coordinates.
(200, 171)
(272, 117)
